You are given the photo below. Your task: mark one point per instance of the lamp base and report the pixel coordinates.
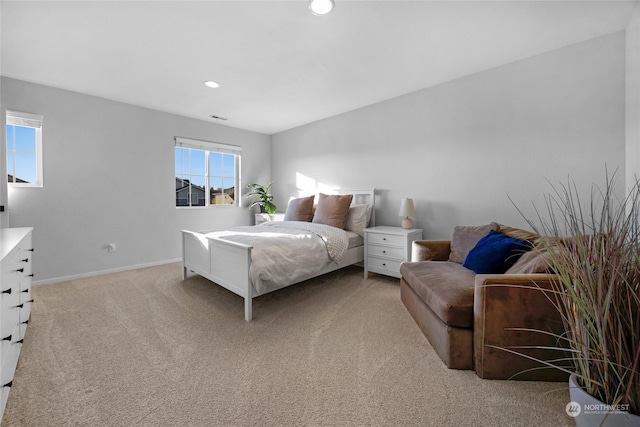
(407, 223)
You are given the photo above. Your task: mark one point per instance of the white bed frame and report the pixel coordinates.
(227, 263)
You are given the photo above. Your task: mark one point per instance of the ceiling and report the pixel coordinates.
(278, 65)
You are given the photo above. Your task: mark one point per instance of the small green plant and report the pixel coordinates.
(265, 199)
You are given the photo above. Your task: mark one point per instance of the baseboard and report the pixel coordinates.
(99, 273)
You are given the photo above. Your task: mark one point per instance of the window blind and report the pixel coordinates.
(18, 118)
(207, 145)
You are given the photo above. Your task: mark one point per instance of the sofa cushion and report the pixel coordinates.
(495, 253)
(446, 287)
(465, 237)
(519, 233)
(537, 260)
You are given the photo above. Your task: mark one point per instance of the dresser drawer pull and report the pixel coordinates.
(25, 260)
(25, 291)
(384, 252)
(25, 322)
(8, 291)
(30, 250)
(384, 265)
(7, 338)
(19, 305)
(9, 384)
(21, 270)
(31, 275)
(20, 341)
(31, 300)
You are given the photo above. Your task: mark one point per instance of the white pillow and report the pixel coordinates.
(358, 218)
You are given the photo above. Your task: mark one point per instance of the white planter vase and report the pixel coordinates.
(587, 411)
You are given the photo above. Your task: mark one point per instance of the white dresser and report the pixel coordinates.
(385, 248)
(15, 301)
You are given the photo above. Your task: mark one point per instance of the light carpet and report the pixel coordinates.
(144, 348)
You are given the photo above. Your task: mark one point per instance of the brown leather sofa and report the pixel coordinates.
(469, 318)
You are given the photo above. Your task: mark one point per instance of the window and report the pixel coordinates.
(207, 173)
(24, 149)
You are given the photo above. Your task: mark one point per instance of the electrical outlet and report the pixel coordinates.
(111, 247)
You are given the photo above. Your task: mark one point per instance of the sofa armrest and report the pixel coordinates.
(503, 302)
(430, 250)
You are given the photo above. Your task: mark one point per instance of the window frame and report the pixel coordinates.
(27, 120)
(209, 147)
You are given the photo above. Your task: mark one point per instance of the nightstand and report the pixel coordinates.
(263, 217)
(385, 248)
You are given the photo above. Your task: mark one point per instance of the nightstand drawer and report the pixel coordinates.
(386, 252)
(383, 264)
(386, 239)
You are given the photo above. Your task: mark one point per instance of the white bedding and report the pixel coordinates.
(285, 251)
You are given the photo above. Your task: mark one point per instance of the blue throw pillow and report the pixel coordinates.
(495, 253)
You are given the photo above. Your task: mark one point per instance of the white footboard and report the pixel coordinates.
(224, 262)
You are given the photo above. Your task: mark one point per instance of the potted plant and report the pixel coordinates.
(265, 199)
(597, 292)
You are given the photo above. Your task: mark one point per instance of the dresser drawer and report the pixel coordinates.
(383, 264)
(9, 362)
(385, 239)
(4, 396)
(24, 312)
(9, 314)
(386, 252)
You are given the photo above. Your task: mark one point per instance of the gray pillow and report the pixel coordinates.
(465, 238)
(358, 218)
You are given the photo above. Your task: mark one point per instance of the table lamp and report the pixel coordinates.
(407, 210)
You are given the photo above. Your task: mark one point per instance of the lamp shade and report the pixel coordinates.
(406, 208)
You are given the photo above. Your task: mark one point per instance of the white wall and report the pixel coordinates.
(4, 215)
(461, 147)
(632, 100)
(109, 177)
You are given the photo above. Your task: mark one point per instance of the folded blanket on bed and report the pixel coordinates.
(284, 252)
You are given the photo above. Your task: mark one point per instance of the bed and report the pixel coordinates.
(242, 259)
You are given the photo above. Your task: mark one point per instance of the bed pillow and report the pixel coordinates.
(465, 238)
(358, 218)
(332, 209)
(495, 253)
(300, 209)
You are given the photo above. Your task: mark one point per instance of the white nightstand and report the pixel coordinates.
(385, 248)
(263, 217)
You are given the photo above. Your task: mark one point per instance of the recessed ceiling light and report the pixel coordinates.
(321, 7)
(211, 84)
